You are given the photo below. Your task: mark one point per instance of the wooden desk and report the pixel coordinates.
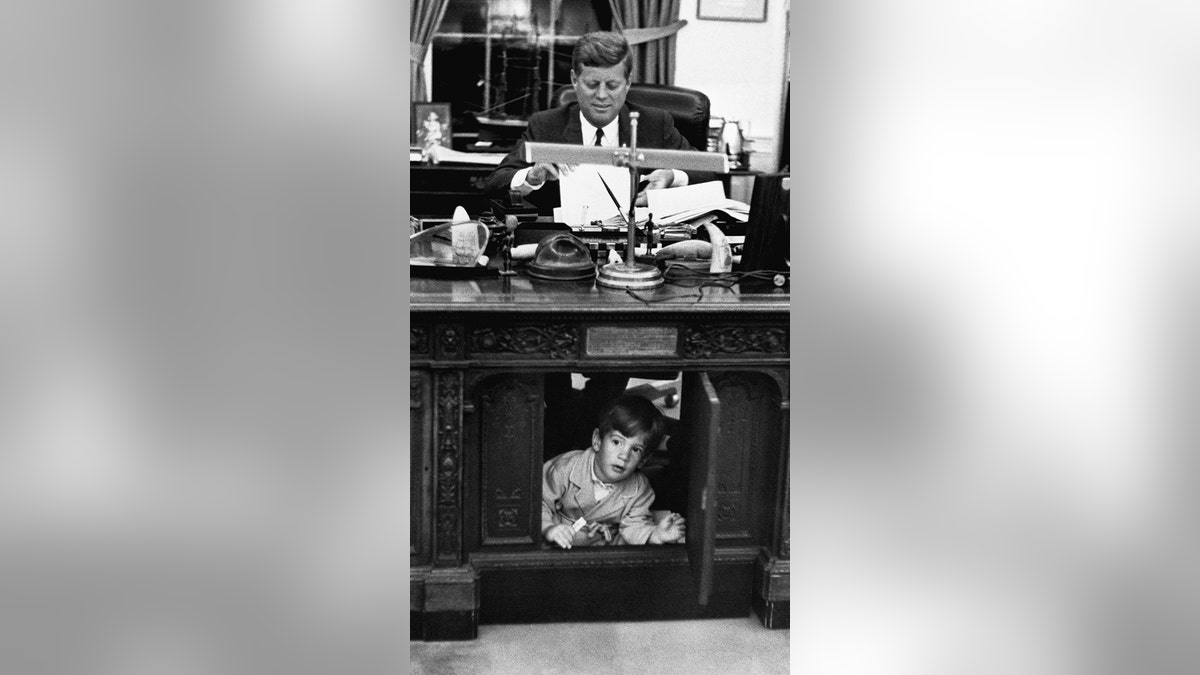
(479, 352)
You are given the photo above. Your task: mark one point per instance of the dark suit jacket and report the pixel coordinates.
(561, 125)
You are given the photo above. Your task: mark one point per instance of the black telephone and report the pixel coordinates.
(513, 204)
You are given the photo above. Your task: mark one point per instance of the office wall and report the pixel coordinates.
(740, 66)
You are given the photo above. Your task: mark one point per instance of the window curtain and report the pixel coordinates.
(650, 27)
(426, 17)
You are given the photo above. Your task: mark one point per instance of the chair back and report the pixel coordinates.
(688, 108)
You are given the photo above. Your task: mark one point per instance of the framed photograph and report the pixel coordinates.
(733, 10)
(431, 124)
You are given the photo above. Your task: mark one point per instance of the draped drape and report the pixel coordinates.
(426, 16)
(653, 50)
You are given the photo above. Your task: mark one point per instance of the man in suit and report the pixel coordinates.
(600, 68)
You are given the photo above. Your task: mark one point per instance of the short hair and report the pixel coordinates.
(632, 415)
(602, 49)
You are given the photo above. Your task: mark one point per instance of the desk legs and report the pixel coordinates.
(772, 599)
(445, 595)
(444, 604)
(772, 569)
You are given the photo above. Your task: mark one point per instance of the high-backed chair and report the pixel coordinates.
(689, 108)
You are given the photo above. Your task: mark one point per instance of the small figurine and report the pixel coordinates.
(506, 242)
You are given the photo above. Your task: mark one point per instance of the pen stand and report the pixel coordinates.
(630, 275)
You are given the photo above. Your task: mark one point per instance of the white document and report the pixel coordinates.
(677, 204)
(676, 199)
(580, 185)
(443, 154)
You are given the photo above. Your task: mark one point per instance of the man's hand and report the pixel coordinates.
(540, 173)
(561, 535)
(659, 179)
(669, 530)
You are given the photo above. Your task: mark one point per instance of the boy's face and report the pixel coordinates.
(618, 456)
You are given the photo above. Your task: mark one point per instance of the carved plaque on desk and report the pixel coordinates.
(632, 341)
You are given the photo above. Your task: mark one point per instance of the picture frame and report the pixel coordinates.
(431, 125)
(732, 10)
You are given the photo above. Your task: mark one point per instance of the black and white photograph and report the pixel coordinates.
(431, 124)
(600, 342)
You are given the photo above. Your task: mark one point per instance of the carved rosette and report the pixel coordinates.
(449, 341)
(556, 341)
(418, 340)
(507, 517)
(702, 342)
(726, 510)
(449, 466)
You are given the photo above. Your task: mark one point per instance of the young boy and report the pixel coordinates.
(597, 496)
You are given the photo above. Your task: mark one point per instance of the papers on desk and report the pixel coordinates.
(442, 154)
(585, 199)
(680, 204)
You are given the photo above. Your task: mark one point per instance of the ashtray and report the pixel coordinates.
(449, 245)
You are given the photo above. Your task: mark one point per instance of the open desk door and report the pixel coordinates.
(700, 415)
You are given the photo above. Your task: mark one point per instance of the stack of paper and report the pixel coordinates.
(680, 204)
(593, 191)
(443, 154)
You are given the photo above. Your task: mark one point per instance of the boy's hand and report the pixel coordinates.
(561, 535)
(598, 532)
(669, 530)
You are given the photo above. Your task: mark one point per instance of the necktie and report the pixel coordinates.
(599, 136)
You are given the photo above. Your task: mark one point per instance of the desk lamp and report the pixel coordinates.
(629, 274)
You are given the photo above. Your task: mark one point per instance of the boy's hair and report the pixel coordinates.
(633, 415)
(602, 49)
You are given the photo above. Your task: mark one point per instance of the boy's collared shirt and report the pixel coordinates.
(600, 488)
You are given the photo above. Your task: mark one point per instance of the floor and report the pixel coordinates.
(740, 646)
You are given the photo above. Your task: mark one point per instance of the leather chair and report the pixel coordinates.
(689, 108)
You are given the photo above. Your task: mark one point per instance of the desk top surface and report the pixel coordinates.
(524, 295)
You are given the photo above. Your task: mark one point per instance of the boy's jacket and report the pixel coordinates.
(567, 494)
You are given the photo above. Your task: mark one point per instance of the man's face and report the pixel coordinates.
(601, 92)
(618, 456)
